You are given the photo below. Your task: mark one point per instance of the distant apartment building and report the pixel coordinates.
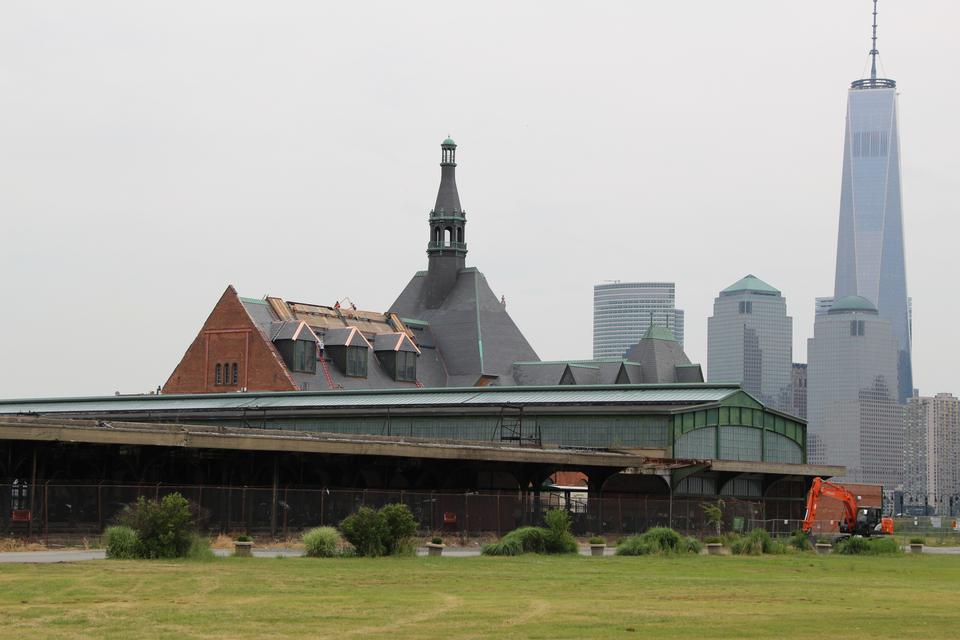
(750, 341)
(852, 411)
(624, 311)
(931, 466)
(798, 388)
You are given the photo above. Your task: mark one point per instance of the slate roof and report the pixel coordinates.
(473, 331)
(393, 342)
(292, 330)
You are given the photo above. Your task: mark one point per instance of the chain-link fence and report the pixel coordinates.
(51, 508)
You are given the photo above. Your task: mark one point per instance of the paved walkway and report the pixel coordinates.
(43, 557)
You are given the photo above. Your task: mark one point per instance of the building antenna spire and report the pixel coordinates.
(873, 50)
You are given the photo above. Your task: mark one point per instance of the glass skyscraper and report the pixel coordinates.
(750, 341)
(870, 260)
(623, 311)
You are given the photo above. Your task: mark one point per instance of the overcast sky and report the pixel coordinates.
(151, 153)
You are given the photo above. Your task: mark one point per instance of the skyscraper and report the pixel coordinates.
(750, 341)
(623, 311)
(870, 261)
(931, 473)
(854, 418)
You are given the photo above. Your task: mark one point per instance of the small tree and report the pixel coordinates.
(400, 528)
(713, 512)
(365, 529)
(165, 528)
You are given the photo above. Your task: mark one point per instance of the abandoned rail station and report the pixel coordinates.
(679, 443)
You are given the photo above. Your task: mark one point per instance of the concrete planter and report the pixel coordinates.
(243, 549)
(823, 548)
(916, 548)
(434, 549)
(597, 549)
(714, 548)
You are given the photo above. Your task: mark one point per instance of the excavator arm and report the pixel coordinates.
(821, 488)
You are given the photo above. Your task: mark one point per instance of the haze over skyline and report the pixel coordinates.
(152, 153)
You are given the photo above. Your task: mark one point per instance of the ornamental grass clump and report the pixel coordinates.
(555, 538)
(322, 542)
(122, 542)
(800, 541)
(856, 545)
(658, 540)
(756, 543)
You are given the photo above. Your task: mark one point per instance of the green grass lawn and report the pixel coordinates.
(801, 595)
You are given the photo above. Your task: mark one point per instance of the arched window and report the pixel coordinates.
(219, 375)
(447, 236)
(234, 373)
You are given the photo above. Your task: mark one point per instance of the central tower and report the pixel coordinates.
(447, 249)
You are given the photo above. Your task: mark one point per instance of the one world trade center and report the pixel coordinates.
(870, 261)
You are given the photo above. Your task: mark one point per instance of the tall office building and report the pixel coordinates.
(870, 260)
(750, 341)
(932, 454)
(823, 305)
(854, 419)
(623, 311)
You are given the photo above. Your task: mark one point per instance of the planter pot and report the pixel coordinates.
(597, 549)
(434, 549)
(916, 548)
(242, 549)
(824, 548)
(714, 548)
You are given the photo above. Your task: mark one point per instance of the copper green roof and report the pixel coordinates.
(750, 284)
(852, 303)
(448, 142)
(659, 333)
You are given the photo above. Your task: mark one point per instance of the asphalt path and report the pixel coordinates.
(46, 557)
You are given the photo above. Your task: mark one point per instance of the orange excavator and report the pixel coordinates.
(856, 520)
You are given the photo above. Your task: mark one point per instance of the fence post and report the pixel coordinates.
(100, 506)
(46, 511)
(322, 493)
(498, 513)
(33, 491)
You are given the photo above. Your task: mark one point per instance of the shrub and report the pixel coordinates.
(713, 513)
(691, 545)
(918, 540)
(244, 538)
(635, 546)
(436, 540)
(867, 546)
(400, 528)
(122, 542)
(199, 549)
(597, 540)
(365, 529)
(506, 546)
(755, 543)
(661, 540)
(558, 538)
(800, 541)
(165, 528)
(322, 542)
(713, 540)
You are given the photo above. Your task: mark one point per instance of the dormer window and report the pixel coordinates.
(297, 344)
(397, 355)
(304, 356)
(406, 366)
(356, 362)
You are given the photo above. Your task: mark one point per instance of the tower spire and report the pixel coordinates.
(447, 247)
(873, 49)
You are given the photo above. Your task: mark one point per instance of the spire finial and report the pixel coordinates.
(873, 50)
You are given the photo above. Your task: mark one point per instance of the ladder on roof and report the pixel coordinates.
(510, 427)
(326, 372)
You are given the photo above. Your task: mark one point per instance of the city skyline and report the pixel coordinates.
(164, 181)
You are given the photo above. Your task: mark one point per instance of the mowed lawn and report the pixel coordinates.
(803, 596)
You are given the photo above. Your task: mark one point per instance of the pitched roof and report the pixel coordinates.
(659, 333)
(345, 336)
(750, 284)
(394, 342)
(292, 330)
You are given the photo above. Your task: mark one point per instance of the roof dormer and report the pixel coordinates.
(397, 355)
(297, 344)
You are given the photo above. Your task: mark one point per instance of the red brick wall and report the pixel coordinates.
(831, 509)
(229, 336)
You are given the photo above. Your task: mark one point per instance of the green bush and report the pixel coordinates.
(713, 540)
(122, 542)
(436, 540)
(322, 542)
(199, 549)
(558, 538)
(635, 546)
(691, 545)
(755, 543)
(597, 540)
(660, 540)
(388, 531)
(365, 529)
(506, 546)
(800, 541)
(165, 528)
(400, 528)
(856, 545)
(244, 538)
(918, 540)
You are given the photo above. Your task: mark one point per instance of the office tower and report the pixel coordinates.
(932, 454)
(798, 387)
(870, 260)
(623, 311)
(823, 305)
(750, 341)
(854, 419)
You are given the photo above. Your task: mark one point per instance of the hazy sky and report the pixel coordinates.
(151, 153)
